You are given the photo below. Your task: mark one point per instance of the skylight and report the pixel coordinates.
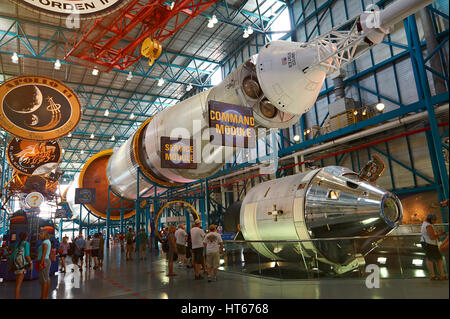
(282, 23)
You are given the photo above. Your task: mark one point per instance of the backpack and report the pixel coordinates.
(19, 259)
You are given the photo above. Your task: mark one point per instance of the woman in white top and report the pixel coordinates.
(430, 244)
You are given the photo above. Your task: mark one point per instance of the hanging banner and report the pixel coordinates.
(83, 8)
(33, 158)
(231, 125)
(177, 153)
(38, 108)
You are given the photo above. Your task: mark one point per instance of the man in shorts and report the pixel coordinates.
(181, 236)
(197, 236)
(129, 238)
(80, 244)
(212, 242)
(142, 240)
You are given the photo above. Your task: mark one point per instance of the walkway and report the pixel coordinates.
(147, 280)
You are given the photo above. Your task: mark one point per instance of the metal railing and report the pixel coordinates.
(397, 256)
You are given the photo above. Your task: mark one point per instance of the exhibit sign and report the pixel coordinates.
(61, 213)
(38, 108)
(85, 9)
(177, 153)
(34, 199)
(33, 158)
(231, 125)
(85, 195)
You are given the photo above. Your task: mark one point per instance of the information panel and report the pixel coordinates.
(84, 195)
(177, 153)
(231, 125)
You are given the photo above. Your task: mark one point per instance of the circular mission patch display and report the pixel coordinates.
(85, 9)
(38, 108)
(33, 158)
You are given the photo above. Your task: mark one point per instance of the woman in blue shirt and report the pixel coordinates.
(44, 263)
(22, 247)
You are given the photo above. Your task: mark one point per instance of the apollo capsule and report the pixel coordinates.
(330, 202)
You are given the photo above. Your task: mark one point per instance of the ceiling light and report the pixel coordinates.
(57, 64)
(94, 72)
(70, 135)
(297, 138)
(245, 35)
(160, 82)
(364, 112)
(210, 24)
(250, 30)
(172, 4)
(15, 58)
(214, 19)
(380, 107)
(113, 138)
(106, 113)
(131, 116)
(130, 76)
(382, 260)
(92, 135)
(189, 87)
(82, 152)
(355, 112)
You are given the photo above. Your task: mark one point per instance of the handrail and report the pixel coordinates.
(320, 239)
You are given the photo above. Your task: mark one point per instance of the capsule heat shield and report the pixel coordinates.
(314, 207)
(339, 204)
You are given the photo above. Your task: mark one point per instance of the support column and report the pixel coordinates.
(137, 207)
(80, 229)
(88, 224)
(108, 212)
(207, 203)
(424, 94)
(121, 215)
(202, 205)
(60, 229)
(153, 221)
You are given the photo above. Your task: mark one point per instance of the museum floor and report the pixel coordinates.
(147, 279)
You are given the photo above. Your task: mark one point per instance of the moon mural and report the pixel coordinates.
(38, 108)
(26, 99)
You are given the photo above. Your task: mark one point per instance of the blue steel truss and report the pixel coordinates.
(413, 50)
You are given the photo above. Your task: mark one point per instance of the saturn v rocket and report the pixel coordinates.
(279, 84)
